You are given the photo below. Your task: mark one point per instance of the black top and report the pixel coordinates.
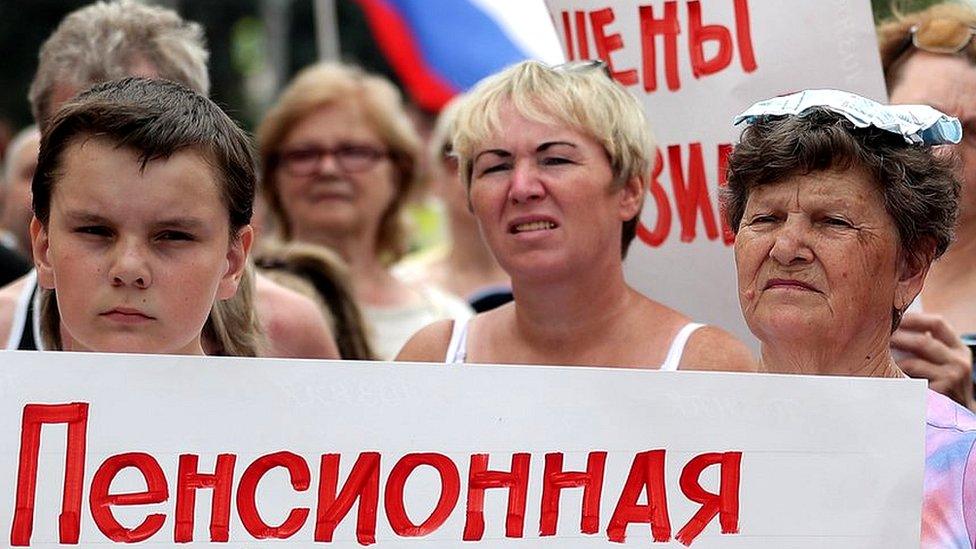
(13, 265)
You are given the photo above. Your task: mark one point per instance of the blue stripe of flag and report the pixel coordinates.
(461, 42)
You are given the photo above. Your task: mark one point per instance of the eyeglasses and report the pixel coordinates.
(945, 36)
(350, 159)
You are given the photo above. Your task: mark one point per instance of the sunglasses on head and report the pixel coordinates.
(945, 36)
(585, 65)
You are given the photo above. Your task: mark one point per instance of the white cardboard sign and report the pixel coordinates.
(408, 455)
(695, 65)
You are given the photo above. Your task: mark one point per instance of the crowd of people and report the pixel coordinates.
(137, 217)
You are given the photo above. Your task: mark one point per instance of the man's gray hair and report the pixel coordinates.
(105, 40)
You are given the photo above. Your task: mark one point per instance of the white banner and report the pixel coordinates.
(695, 65)
(98, 450)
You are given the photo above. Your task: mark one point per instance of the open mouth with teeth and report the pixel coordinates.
(533, 226)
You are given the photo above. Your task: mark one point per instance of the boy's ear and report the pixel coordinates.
(40, 247)
(237, 253)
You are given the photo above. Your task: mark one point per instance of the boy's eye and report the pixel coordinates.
(94, 230)
(175, 235)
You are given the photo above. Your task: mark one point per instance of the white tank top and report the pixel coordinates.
(457, 349)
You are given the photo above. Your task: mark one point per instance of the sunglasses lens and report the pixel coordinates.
(942, 36)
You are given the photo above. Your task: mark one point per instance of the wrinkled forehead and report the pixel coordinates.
(849, 187)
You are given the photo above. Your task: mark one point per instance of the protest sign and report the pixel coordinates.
(99, 450)
(694, 66)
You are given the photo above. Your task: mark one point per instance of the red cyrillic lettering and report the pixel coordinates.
(554, 480)
(568, 34)
(480, 478)
(581, 41)
(247, 490)
(724, 150)
(609, 43)
(663, 225)
(698, 35)
(69, 521)
(649, 29)
(647, 472)
(101, 501)
(725, 504)
(694, 197)
(189, 481)
(743, 33)
(363, 484)
(450, 490)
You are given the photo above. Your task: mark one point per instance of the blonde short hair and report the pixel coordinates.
(582, 97)
(327, 84)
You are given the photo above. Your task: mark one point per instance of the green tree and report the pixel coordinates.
(883, 9)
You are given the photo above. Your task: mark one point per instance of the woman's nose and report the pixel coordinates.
(327, 163)
(525, 185)
(131, 266)
(791, 245)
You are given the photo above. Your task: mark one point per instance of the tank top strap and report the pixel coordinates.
(457, 349)
(21, 326)
(678, 346)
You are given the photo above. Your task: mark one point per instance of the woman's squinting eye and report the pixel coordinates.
(493, 167)
(835, 221)
(555, 160)
(760, 219)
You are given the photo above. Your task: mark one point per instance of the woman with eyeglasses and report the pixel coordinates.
(339, 159)
(556, 161)
(929, 57)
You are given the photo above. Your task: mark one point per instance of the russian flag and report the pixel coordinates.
(439, 48)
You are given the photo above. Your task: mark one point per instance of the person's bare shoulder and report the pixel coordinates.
(712, 348)
(294, 324)
(429, 344)
(9, 295)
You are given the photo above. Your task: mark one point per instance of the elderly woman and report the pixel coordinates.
(339, 159)
(837, 225)
(555, 161)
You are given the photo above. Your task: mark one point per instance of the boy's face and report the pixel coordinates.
(137, 256)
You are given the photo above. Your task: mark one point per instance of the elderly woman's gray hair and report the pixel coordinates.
(920, 187)
(110, 40)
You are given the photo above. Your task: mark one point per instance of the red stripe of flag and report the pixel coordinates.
(392, 33)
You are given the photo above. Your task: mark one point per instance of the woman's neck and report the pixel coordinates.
(870, 357)
(950, 285)
(575, 311)
(371, 280)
